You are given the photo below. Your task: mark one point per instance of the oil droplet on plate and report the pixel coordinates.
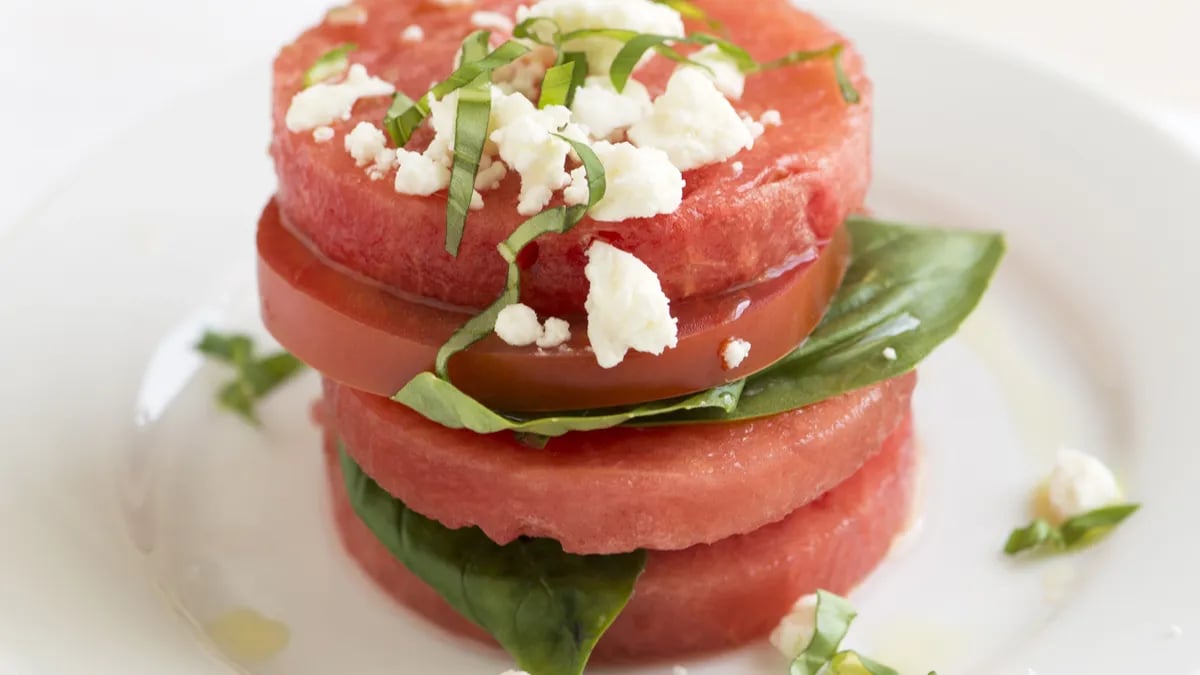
(246, 636)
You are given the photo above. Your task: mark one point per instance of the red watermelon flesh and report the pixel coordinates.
(708, 597)
(799, 182)
(620, 489)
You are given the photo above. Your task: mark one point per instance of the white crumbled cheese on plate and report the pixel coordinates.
(365, 142)
(734, 353)
(1080, 483)
(890, 354)
(640, 16)
(723, 70)
(418, 174)
(693, 123)
(556, 332)
(626, 306)
(737, 167)
(492, 20)
(385, 160)
(796, 630)
(323, 103)
(771, 118)
(527, 144)
(518, 325)
(413, 33)
(323, 134)
(604, 112)
(641, 182)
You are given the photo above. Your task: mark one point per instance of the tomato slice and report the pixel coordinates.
(369, 338)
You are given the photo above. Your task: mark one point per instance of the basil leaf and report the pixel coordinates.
(852, 663)
(834, 616)
(1083, 528)
(470, 133)
(405, 115)
(1034, 535)
(255, 377)
(597, 179)
(547, 608)
(832, 52)
(561, 81)
(440, 401)
(329, 65)
(526, 30)
(231, 349)
(689, 10)
(1073, 533)
(907, 288)
(636, 46)
(740, 57)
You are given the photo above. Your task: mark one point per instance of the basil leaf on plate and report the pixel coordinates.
(1073, 532)
(546, 608)
(907, 289)
(833, 619)
(561, 81)
(329, 65)
(254, 378)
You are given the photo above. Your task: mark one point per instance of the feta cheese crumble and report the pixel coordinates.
(693, 123)
(346, 15)
(722, 70)
(1080, 483)
(420, 175)
(890, 354)
(413, 33)
(365, 143)
(626, 306)
(556, 332)
(492, 20)
(641, 182)
(734, 353)
(604, 112)
(323, 134)
(640, 16)
(771, 118)
(795, 631)
(527, 144)
(323, 103)
(518, 325)
(737, 167)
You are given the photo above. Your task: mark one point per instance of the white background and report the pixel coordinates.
(76, 73)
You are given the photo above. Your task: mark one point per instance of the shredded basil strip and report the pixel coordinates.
(1073, 532)
(689, 10)
(559, 219)
(561, 81)
(833, 53)
(254, 378)
(329, 65)
(405, 115)
(470, 134)
(545, 607)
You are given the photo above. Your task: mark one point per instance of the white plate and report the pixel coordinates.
(131, 510)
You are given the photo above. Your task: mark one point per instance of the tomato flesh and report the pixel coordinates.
(371, 339)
